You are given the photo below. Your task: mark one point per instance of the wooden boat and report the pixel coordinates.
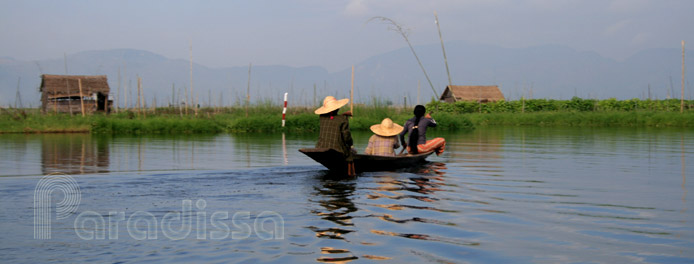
(334, 161)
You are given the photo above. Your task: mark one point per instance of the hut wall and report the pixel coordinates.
(67, 106)
(61, 93)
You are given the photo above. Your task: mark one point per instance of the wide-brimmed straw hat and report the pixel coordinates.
(331, 104)
(386, 128)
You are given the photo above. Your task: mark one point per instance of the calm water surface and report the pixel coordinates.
(513, 195)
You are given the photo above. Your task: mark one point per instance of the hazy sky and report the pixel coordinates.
(333, 33)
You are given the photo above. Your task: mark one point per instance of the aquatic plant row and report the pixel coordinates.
(267, 118)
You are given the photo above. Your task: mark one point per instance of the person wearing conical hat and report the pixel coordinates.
(334, 130)
(385, 139)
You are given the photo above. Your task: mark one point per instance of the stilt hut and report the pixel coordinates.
(476, 93)
(69, 93)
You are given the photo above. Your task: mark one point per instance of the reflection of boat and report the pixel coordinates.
(334, 161)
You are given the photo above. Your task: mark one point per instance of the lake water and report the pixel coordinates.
(504, 194)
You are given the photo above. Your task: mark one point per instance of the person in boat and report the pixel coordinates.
(385, 139)
(334, 130)
(417, 128)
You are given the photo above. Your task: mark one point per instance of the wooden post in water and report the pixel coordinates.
(79, 83)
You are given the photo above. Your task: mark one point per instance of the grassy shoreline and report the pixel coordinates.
(267, 118)
(163, 122)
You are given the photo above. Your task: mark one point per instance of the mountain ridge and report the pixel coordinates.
(547, 71)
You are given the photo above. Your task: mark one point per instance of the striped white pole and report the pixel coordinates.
(284, 110)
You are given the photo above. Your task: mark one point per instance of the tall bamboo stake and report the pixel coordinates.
(403, 32)
(351, 94)
(187, 102)
(173, 94)
(139, 92)
(450, 83)
(67, 85)
(180, 110)
(197, 102)
(118, 90)
(248, 89)
(18, 96)
(682, 95)
(191, 71)
(231, 92)
(79, 83)
(126, 87)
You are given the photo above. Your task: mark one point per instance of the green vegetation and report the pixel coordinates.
(574, 105)
(574, 112)
(266, 117)
(587, 119)
(261, 118)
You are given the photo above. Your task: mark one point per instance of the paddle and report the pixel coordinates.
(403, 150)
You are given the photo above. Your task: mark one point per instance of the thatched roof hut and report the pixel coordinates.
(477, 93)
(62, 93)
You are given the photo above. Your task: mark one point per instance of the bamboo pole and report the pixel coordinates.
(55, 102)
(180, 110)
(139, 93)
(79, 83)
(248, 89)
(126, 88)
(187, 100)
(682, 95)
(351, 94)
(403, 32)
(197, 103)
(191, 72)
(67, 93)
(117, 91)
(445, 59)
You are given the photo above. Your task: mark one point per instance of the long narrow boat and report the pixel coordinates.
(334, 161)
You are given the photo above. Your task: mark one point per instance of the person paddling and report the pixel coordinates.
(334, 130)
(417, 128)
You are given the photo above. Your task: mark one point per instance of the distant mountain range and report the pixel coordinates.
(539, 72)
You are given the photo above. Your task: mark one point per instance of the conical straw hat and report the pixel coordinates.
(386, 128)
(331, 104)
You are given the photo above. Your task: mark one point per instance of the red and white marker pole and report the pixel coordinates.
(284, 110)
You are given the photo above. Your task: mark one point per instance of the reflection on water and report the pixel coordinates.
(74, 154)
(498, 195)
(334, 196)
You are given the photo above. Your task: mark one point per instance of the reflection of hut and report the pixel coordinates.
(74, 154)
(476, 93)
(62, 93)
